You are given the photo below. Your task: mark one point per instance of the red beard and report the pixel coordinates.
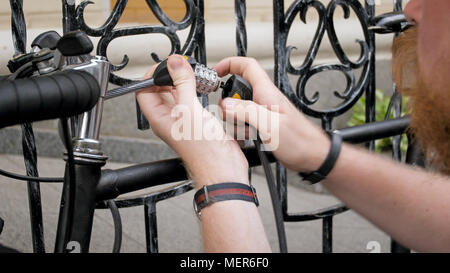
(429, 106)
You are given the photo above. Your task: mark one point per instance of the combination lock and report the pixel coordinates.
(207, 80)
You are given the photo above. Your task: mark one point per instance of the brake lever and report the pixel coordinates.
(390, 22)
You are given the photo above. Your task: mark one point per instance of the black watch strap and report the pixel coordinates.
(328, 164)
(222, 192)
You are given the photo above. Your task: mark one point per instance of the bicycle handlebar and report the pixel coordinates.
(62, 94)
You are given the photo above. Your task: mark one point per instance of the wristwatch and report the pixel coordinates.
(210, 194)
(328, 164)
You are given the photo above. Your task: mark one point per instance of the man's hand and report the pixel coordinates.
(301, 146)
(178, 118)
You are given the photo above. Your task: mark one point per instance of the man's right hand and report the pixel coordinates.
(209, 160)
(302, 146)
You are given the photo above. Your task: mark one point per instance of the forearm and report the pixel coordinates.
(233, 226)
(409, 204)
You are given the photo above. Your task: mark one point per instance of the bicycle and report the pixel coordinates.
(95, 188)
(84, 183)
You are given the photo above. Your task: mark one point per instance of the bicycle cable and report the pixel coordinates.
(276, 203)
(31, 178)
(16, 176)
(117, 225)
(71, 168)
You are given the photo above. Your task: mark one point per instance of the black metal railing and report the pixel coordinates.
(356, 87)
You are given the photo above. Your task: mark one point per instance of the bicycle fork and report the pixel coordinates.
(75, 224)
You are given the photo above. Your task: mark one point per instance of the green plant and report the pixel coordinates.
(382, 104)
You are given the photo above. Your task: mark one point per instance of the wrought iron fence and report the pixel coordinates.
(355, 88)
(364, 85)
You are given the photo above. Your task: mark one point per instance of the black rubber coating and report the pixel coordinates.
(75, 43)
(237, 87)
(48, 39)
(161, 74)
(62, 94)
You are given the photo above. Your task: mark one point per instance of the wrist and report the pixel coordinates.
(211, 163)
(314, 152)
(205, 174)
(328, 164)
(322, 146)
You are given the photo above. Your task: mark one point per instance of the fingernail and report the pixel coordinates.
(229, 103)
(176, 62)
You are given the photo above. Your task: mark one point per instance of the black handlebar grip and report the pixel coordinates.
(62, 94)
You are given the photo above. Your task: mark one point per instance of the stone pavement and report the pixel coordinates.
(178, 227)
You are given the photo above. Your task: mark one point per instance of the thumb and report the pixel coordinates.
(183, 79)
(264, 120)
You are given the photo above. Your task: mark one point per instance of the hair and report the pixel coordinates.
(429, 106)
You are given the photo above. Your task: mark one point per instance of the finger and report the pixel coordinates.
(154, 89)
(243, 132)
(144, 96)
(183, 79)
(248, 68)
(264, 91)
(264, 120)
(150, 72)
(151, 99)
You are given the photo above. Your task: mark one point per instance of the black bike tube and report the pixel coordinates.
(87, 177)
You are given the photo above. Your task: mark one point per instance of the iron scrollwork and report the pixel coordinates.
(354, 89)
(108, 32)
(169, 28)
(240, 13)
